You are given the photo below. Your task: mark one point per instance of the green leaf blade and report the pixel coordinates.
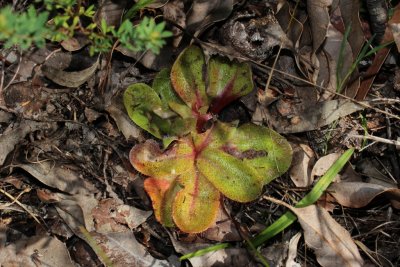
(188, 80)
(230, 175)
(196, 205)
(228, 80)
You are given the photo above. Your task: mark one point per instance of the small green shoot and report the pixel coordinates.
(135, 8)
(28, 28)
(365, 52)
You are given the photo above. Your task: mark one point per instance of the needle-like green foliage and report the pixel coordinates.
(28, 28)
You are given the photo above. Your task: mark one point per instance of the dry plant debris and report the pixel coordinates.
(69, 195)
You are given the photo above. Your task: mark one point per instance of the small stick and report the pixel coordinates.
(377, 139)
(20, 204)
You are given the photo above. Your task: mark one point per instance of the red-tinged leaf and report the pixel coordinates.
(196, 206)
(259, 147)
(150, 160)
(228, 80)
(162, 193)
(188, 78)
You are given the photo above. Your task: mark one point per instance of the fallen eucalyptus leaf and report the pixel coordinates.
(331, 243)
(69, 78)
(122, 249)
(317, 116)
(15, 133)
(35, 251)
(203, 13)
(359, 194)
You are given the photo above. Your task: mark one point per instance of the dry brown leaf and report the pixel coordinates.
(111, 216)
(75, 207)
(358, 194)
(302, 162)
(224, 229)
(174, 11)
(59, 177)
(204, 13)
(329, 57)
(76, 211)
(122, 249)
(292, 253)
(110, 11)
(323, 164)
(75, 43)
(315, 117)
(331, 243)
(124, 123)
(35, 251)
(318, 10)
(54, 69)
(15, 133)
(150, 60)
(349, 10)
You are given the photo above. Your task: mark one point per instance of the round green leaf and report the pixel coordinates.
(140, 101)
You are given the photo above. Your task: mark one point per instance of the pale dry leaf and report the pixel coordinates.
(276, 254)
(394, 26)
(174, 11)
(30, 59)
(318, 11)
(54, 70)
(292, 253)
(223, 257)
(110, 11)
(359, 194)
(122, 249)
(315, 117)
(76, 211)
(35, 251)
(323, 164)
(224, 229)
(204, 13)
(302, 162)
(329, 58)
(124, 123)
(331, 243)
(59, 177)
(15, 133)
(111, 216)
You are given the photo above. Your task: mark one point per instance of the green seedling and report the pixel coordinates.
(207, 159)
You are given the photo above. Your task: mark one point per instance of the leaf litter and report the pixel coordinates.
(65, 142)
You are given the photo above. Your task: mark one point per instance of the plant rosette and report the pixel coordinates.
(205, 159)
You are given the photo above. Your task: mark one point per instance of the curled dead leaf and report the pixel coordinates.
(331, 243)
(359, 194)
